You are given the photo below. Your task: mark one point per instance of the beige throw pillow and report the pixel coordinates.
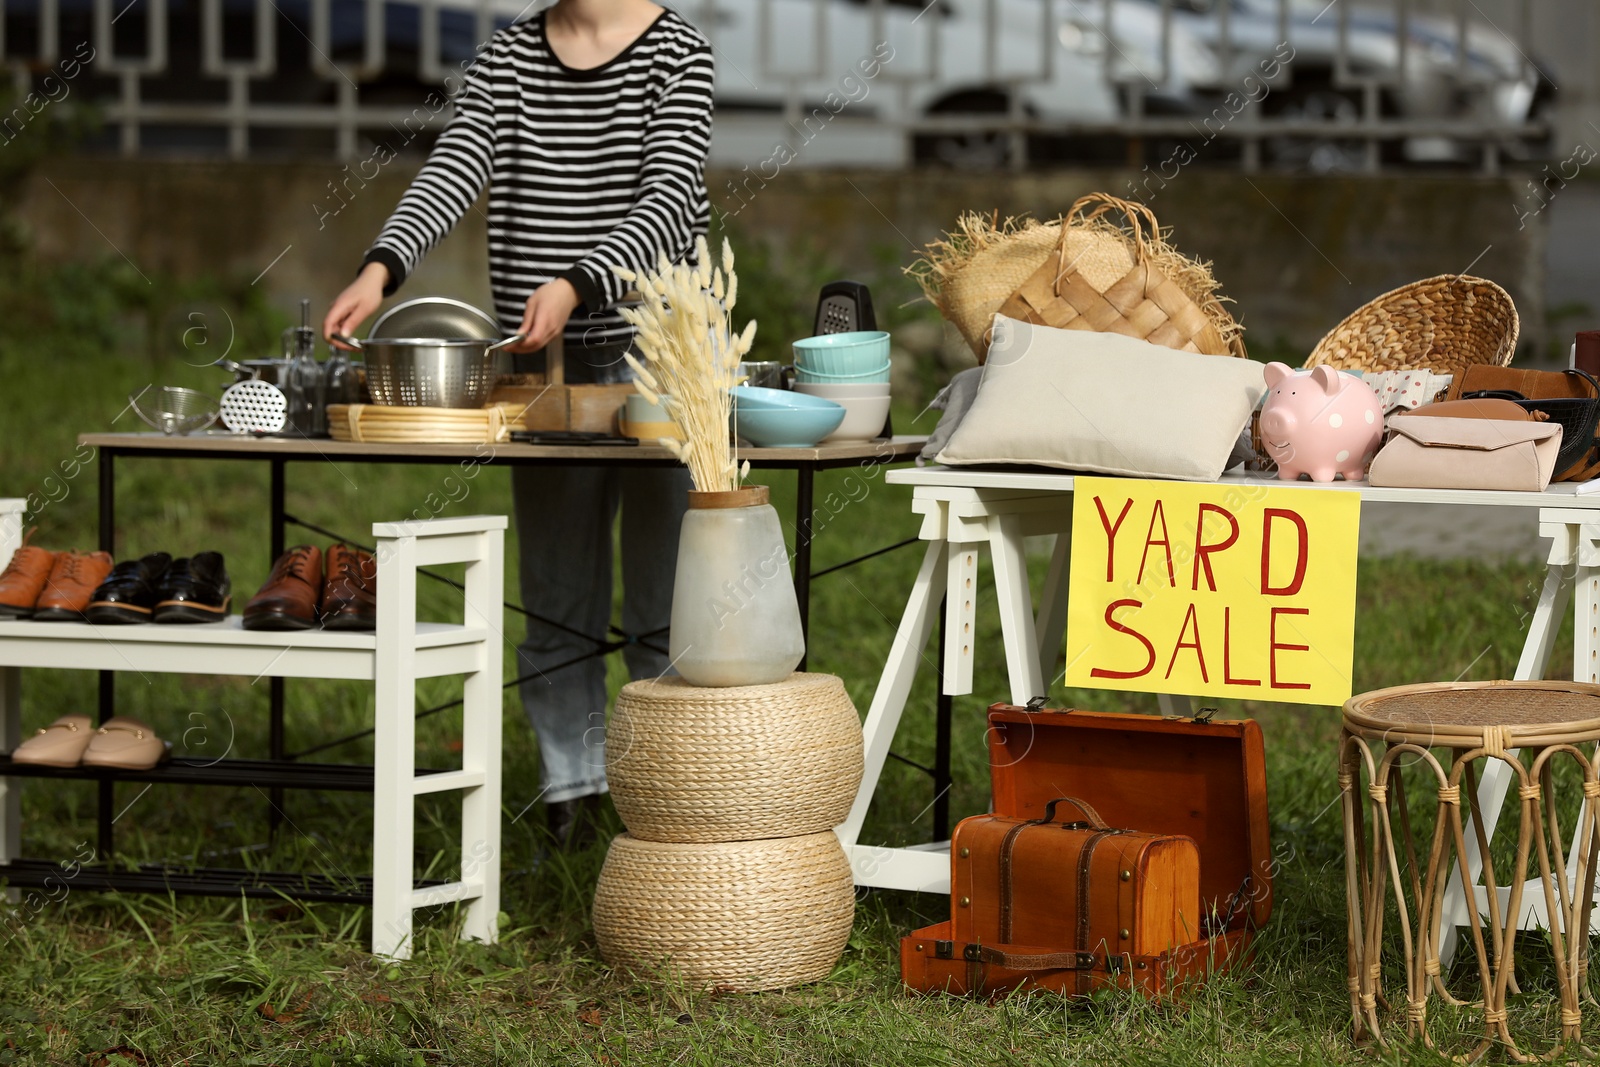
(1104, 403)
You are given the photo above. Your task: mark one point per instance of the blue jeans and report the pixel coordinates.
(565, 519)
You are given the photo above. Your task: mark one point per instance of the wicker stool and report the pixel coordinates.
(740, 763)
(742, 916)
(1391, 729)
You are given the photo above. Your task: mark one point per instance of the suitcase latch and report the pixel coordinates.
(1205, 715)
(944, 950)
(1036, 704)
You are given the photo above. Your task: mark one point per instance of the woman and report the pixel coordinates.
(589, 125)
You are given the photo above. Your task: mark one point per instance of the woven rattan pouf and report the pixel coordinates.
(742, 916)
(1391, 731)
(690, 764)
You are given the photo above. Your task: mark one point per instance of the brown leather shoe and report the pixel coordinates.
(289, 599)
(350, 593)
(72, 582)
(23, 580)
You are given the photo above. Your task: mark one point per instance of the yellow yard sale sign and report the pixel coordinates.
(1243, 591)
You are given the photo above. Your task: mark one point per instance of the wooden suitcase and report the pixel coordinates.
(1199, 779)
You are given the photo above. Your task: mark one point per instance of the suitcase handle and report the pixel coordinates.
(1090, 815)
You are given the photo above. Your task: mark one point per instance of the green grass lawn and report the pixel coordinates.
(154, 980)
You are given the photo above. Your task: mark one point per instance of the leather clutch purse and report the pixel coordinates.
(1470, 453)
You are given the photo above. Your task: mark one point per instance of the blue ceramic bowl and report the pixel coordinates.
(751, 398)
(843, 354)
(787, 427)
(807, 376)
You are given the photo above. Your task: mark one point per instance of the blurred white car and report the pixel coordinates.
(956, 68)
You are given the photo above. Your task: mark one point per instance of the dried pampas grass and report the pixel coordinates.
(691, 358)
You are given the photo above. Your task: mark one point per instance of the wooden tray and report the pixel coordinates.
(540, 402)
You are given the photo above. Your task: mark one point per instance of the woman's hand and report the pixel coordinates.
(546, 315)
(357, 303)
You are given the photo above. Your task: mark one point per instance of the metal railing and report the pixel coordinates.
(979, 83)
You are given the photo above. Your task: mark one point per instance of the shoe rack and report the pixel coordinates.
(401, 651)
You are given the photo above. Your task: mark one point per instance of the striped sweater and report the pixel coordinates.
(587, 170)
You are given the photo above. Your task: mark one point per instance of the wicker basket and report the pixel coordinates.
(1443, 324)
(744, 916)
(688, 764)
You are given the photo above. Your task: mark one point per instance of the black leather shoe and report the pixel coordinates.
(574, 824)
(131, 592)
(194, 590)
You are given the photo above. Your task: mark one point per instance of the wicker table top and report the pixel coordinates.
(1450, 712)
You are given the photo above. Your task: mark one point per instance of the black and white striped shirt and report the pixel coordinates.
(586, 169)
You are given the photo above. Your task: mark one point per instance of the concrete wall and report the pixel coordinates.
(1296, 254)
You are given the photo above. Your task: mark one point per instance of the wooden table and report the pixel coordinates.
(966, 511)
(278, 452)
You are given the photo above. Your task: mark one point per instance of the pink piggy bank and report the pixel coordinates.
(1320, 422)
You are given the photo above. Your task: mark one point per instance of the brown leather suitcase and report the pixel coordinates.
(1167, 780)
(1070, 880)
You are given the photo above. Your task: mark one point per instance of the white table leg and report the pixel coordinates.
(889, 702)
(1174, 706)
(1053, 607)
(960, 617)
(1016, 609)
(12, 510)
(10, 794)
(481, 719)
(394, 751)
(1495, 782)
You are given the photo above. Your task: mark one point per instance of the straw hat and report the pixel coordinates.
(974, 270)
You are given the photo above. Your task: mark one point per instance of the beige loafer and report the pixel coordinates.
(61, 744)
(126, 744)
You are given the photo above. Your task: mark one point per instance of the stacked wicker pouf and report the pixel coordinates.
(730, 874)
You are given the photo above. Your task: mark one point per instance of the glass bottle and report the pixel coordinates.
(304, 388)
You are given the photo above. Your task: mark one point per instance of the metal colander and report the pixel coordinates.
(430, 373)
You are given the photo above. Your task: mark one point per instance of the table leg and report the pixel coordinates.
(1016, 609)
(394, 743)
(943, 706)
(105, 791)
(275, 686)
(889, 702)
(481, 744)
(12, 514)
(1053, 606)
(960, 614)
(10, 793)
(1560, 570)
(804, 490)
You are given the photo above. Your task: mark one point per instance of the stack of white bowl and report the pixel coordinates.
(852, 370)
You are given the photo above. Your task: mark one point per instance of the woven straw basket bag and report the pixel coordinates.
(998, 259)
(734, 764)
(1443, 324)
(742, 916)
(1147, 302)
